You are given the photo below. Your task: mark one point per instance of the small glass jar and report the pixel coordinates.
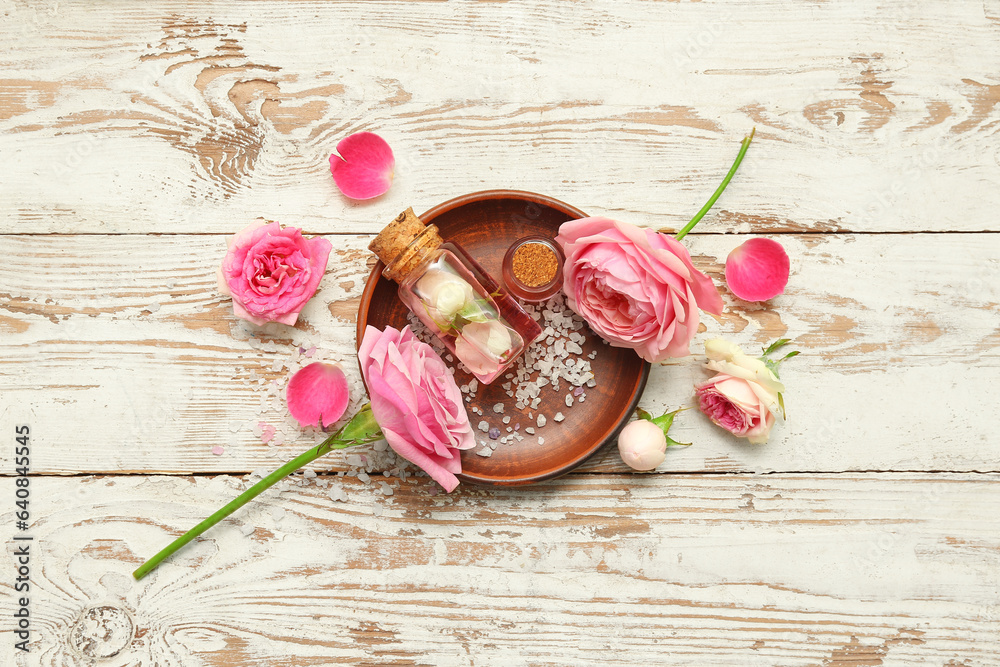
(532, 268)
(454, 297)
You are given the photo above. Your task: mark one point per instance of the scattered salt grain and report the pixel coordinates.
(540, 421)
(498, 408)
(541, 440)
(217, 450)
(559, 417)
(578, 391)
(338, 494)
(484, 426)
(506, 420)
(494, 433)
(386, 489)
(530, 430)
(364, 478)
(246, 529)
(569, 401)
(485, 452)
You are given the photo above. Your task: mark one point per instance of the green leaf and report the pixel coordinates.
(776, 345)
(673, 443)
(790, 355)
(781, 404)
(642, 414)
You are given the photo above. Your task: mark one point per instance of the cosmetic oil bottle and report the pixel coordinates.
(454, 297)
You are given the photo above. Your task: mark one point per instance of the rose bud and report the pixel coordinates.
(642, 445)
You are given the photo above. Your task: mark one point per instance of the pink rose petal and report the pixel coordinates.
(318, 394)
(364, 168)
(757, 270)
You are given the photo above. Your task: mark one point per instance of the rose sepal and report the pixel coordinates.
(663, 422)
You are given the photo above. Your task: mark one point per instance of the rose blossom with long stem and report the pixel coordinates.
(637, 288)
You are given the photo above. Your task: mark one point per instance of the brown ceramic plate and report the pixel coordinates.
(485, 224)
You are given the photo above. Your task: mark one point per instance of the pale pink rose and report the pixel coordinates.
(416, 402)
(744, 395)
(636, 288)
(271, 272)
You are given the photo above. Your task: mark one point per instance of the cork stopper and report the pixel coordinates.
(403, 244)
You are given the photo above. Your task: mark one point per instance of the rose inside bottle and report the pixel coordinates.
(454, 297)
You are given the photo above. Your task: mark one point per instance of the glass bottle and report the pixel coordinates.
(454, 297)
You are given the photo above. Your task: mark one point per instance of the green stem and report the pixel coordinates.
(711, 201)
(362, 429)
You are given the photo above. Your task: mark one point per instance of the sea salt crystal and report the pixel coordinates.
(246, 529)
(569, 401)
(578, 391)
(530, 430)
(473, 385)
(494, 433)
(484, 426)
(498, 408)
(485, 452)
(386, 489)
(337, 494)
(277, 514)
(506, 420)
(364, 478)
(354, 461)
(559, 417)
(540, 421)
(541, 440)
(217, 450)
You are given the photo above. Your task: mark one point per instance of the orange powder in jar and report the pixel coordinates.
(534, 264)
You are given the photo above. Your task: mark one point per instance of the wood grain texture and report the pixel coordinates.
(702, 570)
(136, 119)
(132, 343)
(134, 137)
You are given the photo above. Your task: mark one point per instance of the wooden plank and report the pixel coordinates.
(142, 119)
(841, 570)
(120, 353)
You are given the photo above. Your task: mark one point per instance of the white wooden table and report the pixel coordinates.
(135, 137)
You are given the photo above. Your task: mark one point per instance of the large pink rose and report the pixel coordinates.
(634, 287)
(271, 272)
(416, 402)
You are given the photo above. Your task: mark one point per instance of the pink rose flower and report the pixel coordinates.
(744, 396)
(271, 272)
(416, 402)
(634, 287)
